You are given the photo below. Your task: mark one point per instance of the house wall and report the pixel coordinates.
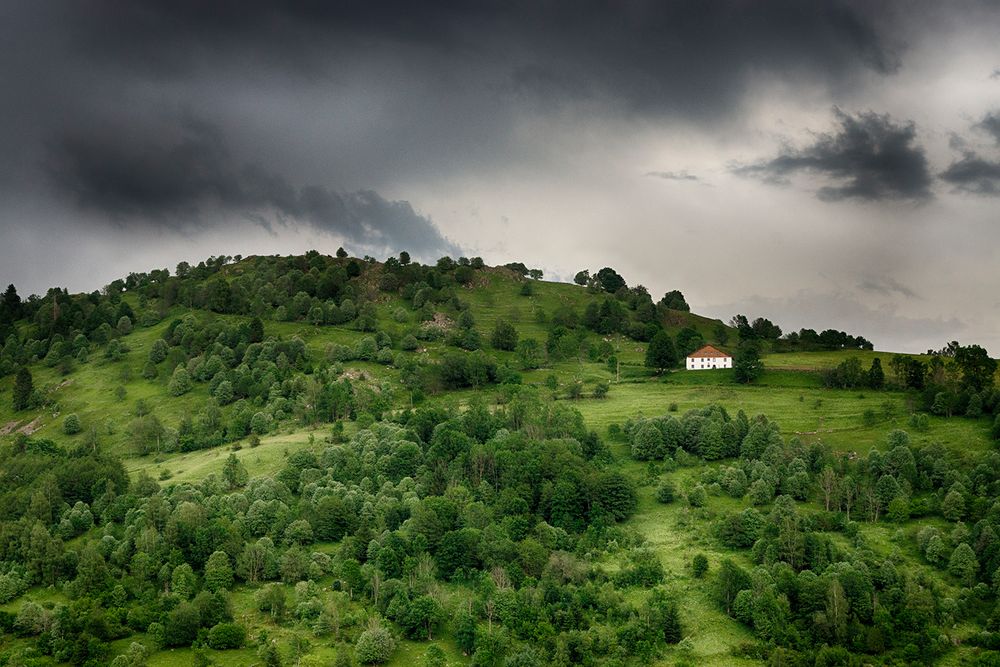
(708, 363)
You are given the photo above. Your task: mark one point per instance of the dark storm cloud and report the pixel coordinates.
(183, 175)
(870, 157)
(974, 174)
(991, 125)
(651, 57)
(682, 175)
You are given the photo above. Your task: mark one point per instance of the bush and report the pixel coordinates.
(375, 645)
(224, 636)
(180, 382)
(71, 425)
(698, 496)
(666, 493)
(699, 565)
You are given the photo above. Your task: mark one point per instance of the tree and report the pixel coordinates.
(218, 572)
(234, 473)
(341, 253)
(375, 645)
(504, 336)
(876, 376)
(465, 631)
(434, 657)
(10, 305)
(953, 506)
(647, 442)
(963, 564)
(828, 484)
(23, 389)
(180, 382)
(158, 351)
(609, 280)
(581, 278)
(272, 599)
(699, 565)
(71, 425)
(226, 636)
(977, 367)
(404, 258)
(675, 301)
(422, 615)
(730, 580)
(660, 354)
(747, 366)
(529, 354)
(181, 625)
(672, 631)
(689, 340)
(615, 495)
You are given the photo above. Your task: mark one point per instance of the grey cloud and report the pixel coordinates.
(653, 57)
(991, 125)
(184, 175)
(870, 157)
(886, 286)
(682, 175)
(974, 174)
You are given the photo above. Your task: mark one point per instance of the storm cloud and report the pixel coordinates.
(653, 57)
(869, 157)
(991, 125)
(974, 174)
(185, 176)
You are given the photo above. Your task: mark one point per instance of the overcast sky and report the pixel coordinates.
(821, 164)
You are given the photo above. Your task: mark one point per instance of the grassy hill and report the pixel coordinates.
(595, 367)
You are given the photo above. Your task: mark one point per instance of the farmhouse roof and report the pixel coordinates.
(707, 352)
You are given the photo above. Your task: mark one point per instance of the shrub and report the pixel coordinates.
(224, 636)
(180, 382)
(375, 645)
(699, 565)
(666, 493)
(698, 496)
(71, 425)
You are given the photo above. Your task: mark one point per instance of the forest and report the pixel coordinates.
(328, 460)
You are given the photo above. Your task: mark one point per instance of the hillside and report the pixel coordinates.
(385, 453)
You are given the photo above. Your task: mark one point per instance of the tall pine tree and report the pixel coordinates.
(23, 388)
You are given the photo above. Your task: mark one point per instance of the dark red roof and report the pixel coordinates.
(707, 352)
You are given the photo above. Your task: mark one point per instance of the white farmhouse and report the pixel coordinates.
(708, 357)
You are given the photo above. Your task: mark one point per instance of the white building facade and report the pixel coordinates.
(708, 358)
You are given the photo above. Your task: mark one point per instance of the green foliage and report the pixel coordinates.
(504, 336)
(225, 636)
(218, 572)
(71, 424)
(375, 645)
(180, 382)
(23, 389)
(660, 354)
(699, 565)
(747, 366)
